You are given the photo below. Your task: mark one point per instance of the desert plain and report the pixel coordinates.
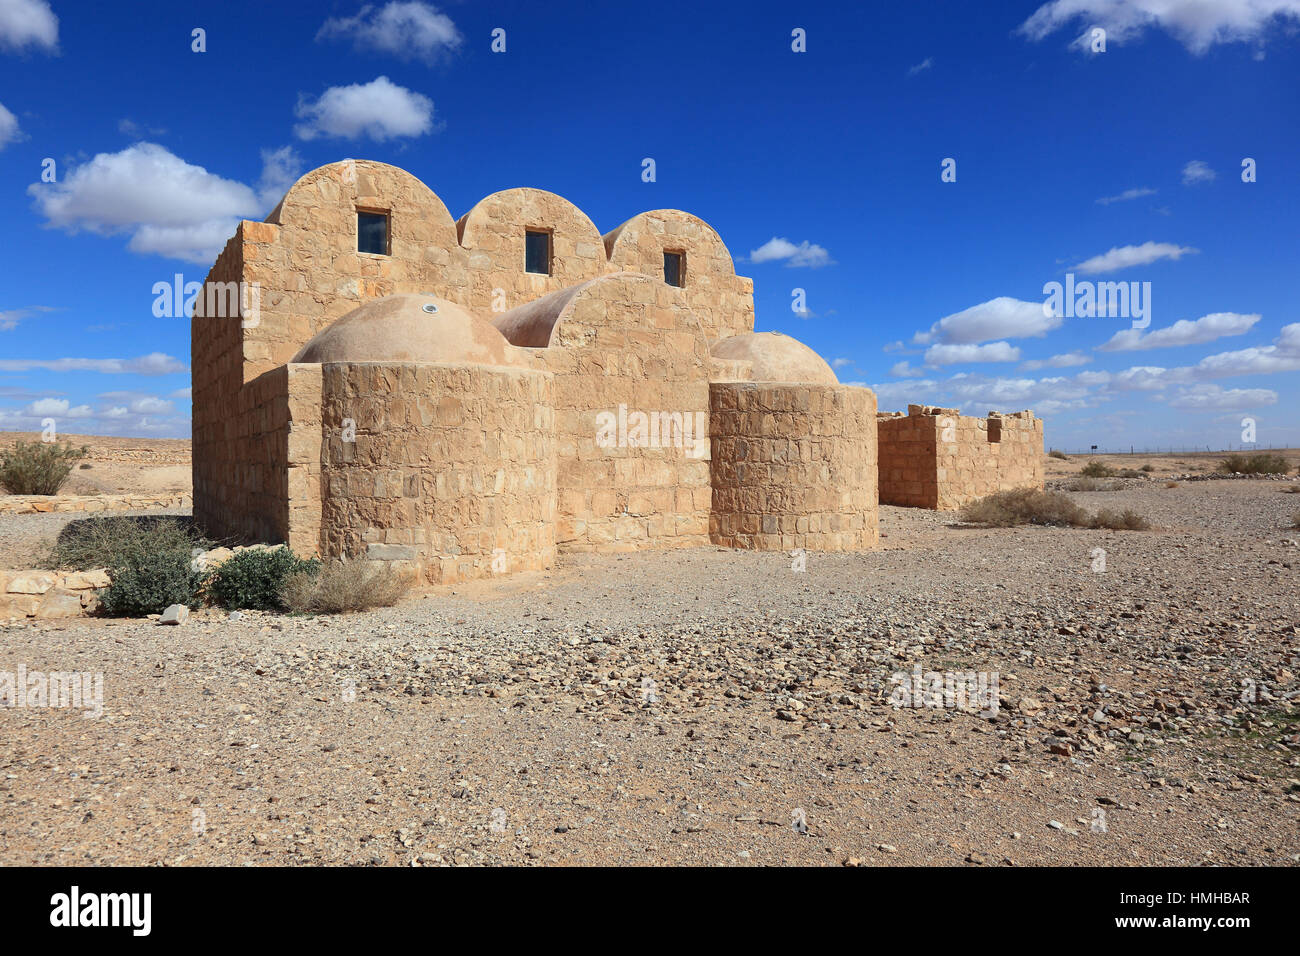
(708, 707)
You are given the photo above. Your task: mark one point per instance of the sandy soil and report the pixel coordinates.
(691, 707)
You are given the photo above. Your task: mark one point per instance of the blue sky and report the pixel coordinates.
(820, 169)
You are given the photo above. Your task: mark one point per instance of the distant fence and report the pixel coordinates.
(1168, 449)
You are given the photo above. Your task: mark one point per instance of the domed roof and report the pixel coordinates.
(776, 358)
(409, 328)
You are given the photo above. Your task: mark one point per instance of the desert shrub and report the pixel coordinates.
(1290, 489)
(1295, 520)
(1171, 484)
(37, 467)
(1093, 484)
(255, 577)
(1129, 473)
(341, 586)
(149, 583)
(118, 541)
(1259, 464)
(1097, 469)
(1006, 509)
(1024, 506)
(1148, 467)
(1054, 453)
(1126, 520)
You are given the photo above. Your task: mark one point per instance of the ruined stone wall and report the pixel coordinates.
(628, 340)
(794, 466)
(938, 458)
(907, 447)
(452, 466)
(722, 301)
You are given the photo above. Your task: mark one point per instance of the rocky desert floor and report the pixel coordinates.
(691, 707)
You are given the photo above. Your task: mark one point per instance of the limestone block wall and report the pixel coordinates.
(937, 458)
(722, 301)
(794, 466)
(453, 468)
(492, 235)
(620, 346)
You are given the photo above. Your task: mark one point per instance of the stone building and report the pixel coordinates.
(468, 397)
(939, 458)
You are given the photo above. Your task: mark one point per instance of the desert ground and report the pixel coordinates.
(690, 707)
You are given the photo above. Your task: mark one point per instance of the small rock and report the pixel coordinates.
(175, 614)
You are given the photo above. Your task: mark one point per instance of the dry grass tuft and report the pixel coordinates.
(342, 586)
(1007, 509)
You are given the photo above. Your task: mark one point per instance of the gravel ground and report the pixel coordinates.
(690, 707)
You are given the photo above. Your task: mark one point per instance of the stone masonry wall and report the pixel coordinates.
(722, 301)
(794, 466)
(627, 340)
(938, 458)
(453, 466)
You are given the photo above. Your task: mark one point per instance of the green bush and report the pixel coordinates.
(1260, 464)
(1097, 469)
(122, 540)
(37, 468)
(150, 583)
(1148, 468)
(255, 578)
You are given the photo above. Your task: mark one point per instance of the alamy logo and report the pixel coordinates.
(208, 300)
(68, 689)
(964, 690)
(624, 429)
(103, 909)
(1107, 300)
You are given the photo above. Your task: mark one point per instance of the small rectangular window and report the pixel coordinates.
(537, 252)
(372, 233)
(673, 267)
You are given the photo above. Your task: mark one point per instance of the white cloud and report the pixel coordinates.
(1215, 398)
(155, 363)
(906, 370)
(11, 318)
(1197, 24)
(26, 23)
(1197, 172)
(841, 362)
(804, 255)
(280, 170)
(1126, 195)
(1207, 328)
(957, 354)
(1065, 360)
(409, 31)
(9, 131)
(169, 207)
(380, 110)
(1125, 257)
(185, 393)
(901, 394)
(998, 318)
(921, 67)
